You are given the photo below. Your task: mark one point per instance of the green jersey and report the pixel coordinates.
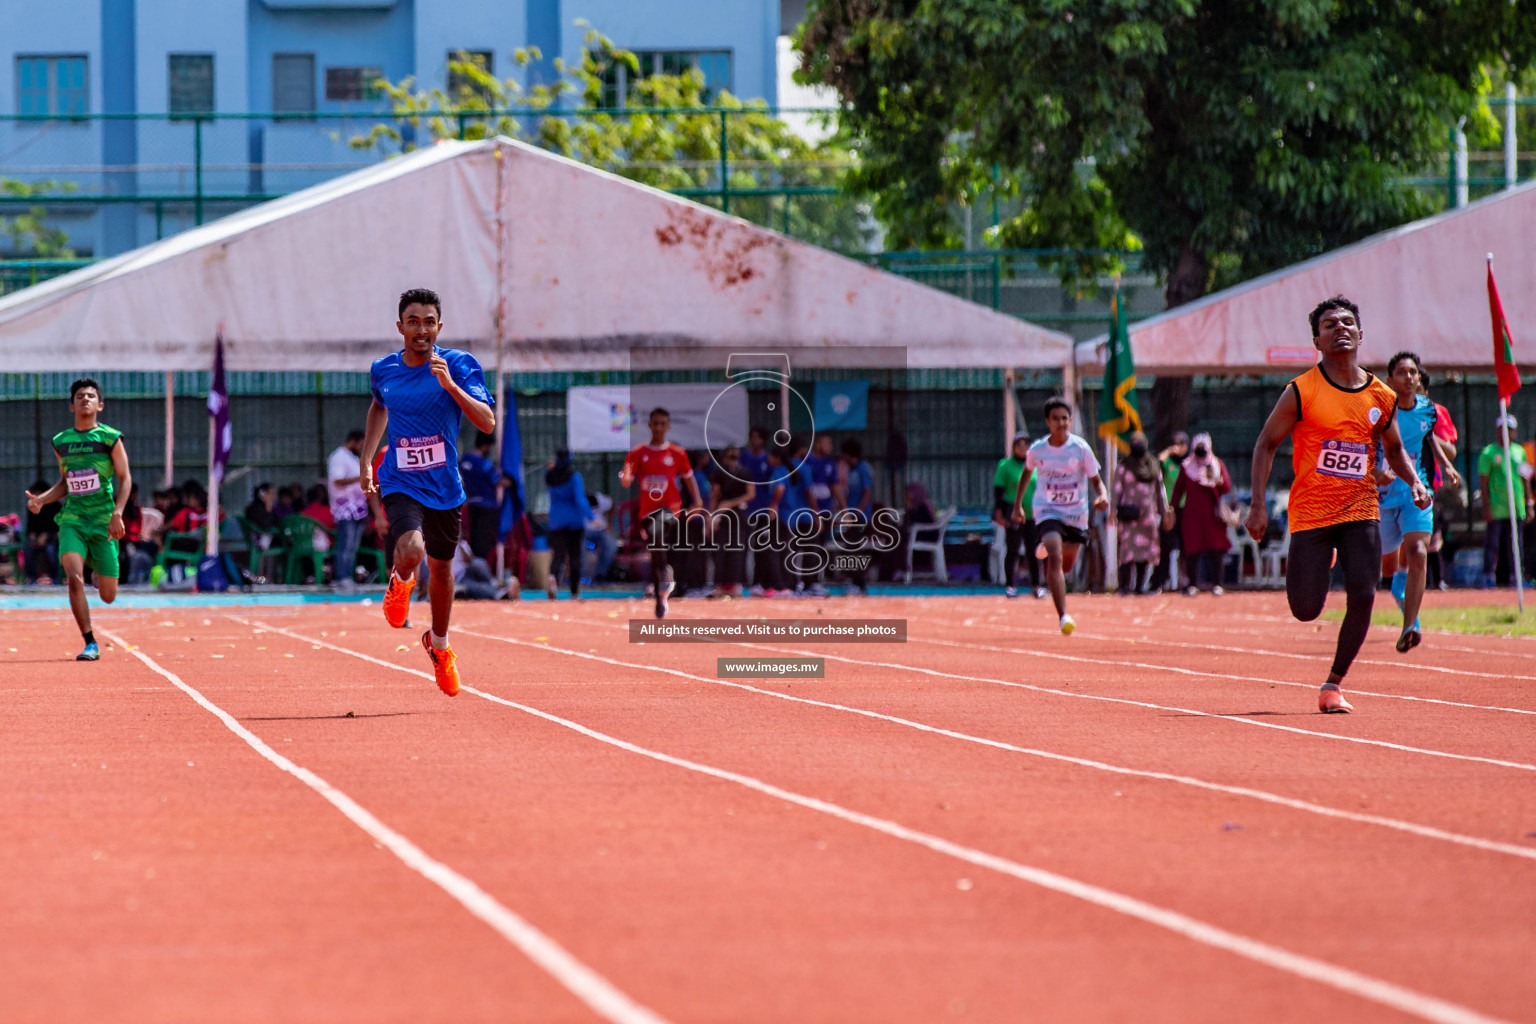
(86, 456)
(1007, 477)
(1491, 465)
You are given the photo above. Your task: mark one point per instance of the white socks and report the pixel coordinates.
(439, 643)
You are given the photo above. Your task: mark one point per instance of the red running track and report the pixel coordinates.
(261, 814)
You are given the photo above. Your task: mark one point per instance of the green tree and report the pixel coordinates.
(677, 150)
(1227, 137)
(28, 232)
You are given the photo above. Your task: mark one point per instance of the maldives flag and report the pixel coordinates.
(1503, 344)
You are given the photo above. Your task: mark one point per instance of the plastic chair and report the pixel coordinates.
(1272, 559)
(1242, 545)
(934, 546)
(170, 555)
(376, 556)
(998, 552)
(299, 534)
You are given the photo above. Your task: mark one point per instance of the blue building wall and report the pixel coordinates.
(127, 45)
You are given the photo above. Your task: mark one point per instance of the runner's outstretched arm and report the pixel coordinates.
(1397, 458)
(479, 413)
(1282, 420)
(1018, 495)
(48, 497)
(373, 435)
(116, 529)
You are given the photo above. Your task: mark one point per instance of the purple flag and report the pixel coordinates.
(218, 409)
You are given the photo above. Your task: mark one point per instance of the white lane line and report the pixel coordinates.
(1400, 666)
(1152, 616)
(1136, 703)
(1343, 979)
(1423, 831)
(1231, 676)
(583, 982)
(1116, 700)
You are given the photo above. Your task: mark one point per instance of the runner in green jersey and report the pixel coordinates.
(90, 455)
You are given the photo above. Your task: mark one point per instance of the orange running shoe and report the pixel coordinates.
(445, 663)
(397, 601)
(1331, 702)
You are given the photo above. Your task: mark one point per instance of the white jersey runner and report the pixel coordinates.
(1062, 474)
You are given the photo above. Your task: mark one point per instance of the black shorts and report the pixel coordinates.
(1069, 534)
(439, 527)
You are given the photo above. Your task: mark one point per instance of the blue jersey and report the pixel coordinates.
(821, 474)
(1415, 426)
(860, 483)
(424, 423)
(479, 475)
(755, 468)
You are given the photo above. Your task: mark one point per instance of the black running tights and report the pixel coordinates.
(1310, 569)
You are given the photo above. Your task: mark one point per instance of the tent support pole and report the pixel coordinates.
(500, 318)
(170, 429)
(1009, 413)
(211, 531)
(1111, 535)
(37, 422)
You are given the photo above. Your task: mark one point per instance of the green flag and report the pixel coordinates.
(1118, 417)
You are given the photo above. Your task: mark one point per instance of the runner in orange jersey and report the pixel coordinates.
(1334, 414)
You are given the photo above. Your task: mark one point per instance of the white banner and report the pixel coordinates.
(612, 418)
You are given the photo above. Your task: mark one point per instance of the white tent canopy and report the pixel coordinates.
(1420, 287)
(549, 263)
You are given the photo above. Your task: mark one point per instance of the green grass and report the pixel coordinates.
(1492, 620)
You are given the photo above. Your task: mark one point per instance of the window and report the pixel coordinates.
(458, 81)
(191, 83)
(293, 83)
(52, 85)
(715, 65)
(344, 84)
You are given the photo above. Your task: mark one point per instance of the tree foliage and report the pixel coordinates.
(28, 232)
(676, 150)
(1226, 137)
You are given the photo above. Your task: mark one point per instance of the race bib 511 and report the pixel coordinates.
(1347, 460)
(418, 454)
(82, 481)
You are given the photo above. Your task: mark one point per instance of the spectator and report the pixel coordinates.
(600, 535)
(856, 493)
(1005, 488)
(137, 553)
(472, 577)
(730, 494)
(1202, 482)
(1141, 512)
(482, 487)
(290, 501)
(319, 507)
(821, 474)
(348, 506)
(261, 513)
(41, 553)
(1494, 490)
(569, 515)
(193, 513)
(919, 512)
(703, 472)
(1170, 460)
(754, 467)
(10, 529)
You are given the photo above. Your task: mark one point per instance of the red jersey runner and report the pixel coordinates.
(656, 471)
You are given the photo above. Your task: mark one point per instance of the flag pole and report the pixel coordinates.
(1509, 490)
(1514, 519)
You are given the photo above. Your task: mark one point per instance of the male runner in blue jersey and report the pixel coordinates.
(1403, 524)
(421, 395)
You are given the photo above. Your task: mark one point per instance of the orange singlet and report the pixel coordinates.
(1334, 449)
